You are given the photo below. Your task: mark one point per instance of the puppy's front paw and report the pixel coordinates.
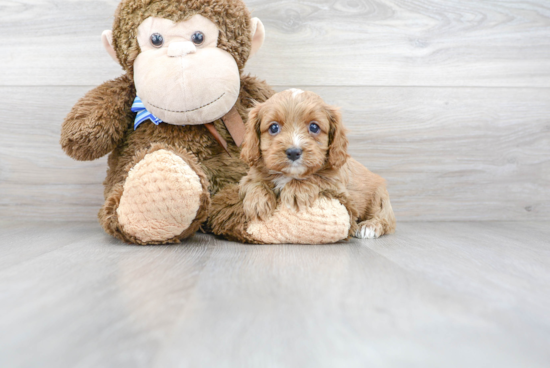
(299, 196)
(259, 205)
(369, 230)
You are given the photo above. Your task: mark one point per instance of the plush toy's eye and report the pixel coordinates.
(197, 38)
(157, 40)
(314, 128)
(274, 129)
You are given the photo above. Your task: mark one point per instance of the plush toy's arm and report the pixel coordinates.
(97, 123)
(332, 218)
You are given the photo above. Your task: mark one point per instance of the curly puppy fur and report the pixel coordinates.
(102, 121)
(323, 167)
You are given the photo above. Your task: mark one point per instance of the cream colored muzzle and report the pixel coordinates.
(181, 48)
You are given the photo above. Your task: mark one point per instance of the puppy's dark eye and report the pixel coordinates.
(314, 128)
(274, 129)
(157, 40)
(197, 38)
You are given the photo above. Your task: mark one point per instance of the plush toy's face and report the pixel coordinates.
(185, 72)
(181, 75)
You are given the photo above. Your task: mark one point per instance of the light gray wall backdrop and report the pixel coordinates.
(449, 100)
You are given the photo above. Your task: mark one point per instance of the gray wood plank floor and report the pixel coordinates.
(433, 295)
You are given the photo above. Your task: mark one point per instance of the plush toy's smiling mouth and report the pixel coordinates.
(183, 112)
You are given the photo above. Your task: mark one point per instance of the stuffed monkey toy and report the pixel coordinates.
(174, 122)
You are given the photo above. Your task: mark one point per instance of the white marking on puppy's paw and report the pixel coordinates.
(366, 233)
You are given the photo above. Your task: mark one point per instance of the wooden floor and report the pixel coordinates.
(433, 295)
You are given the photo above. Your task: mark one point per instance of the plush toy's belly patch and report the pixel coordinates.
(327, 221)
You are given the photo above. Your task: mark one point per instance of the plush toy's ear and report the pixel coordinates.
(107, 39)
(250, 152)
(258, 35)
(338, 142)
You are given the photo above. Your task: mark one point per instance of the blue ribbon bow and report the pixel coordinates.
(143, 114)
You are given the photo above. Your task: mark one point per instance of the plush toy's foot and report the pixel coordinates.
(163, 200)
(326, 222)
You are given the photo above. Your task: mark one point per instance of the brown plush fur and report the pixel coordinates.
(102, 122)
(98, 122)
(324, 169)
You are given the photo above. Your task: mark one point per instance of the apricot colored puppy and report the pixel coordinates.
(297, 148)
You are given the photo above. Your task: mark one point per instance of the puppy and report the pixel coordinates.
(296, 147)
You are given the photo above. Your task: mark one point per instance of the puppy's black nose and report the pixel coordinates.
(294, 154)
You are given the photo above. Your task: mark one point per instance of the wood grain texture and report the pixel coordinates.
(322, 42)
(432, 295)
(447, 154)
(453, 153)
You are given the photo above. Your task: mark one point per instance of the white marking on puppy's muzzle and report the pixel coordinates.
(181, 48)
(297, 140)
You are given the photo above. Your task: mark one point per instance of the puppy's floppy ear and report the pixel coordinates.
(250, 152)
(338, 142)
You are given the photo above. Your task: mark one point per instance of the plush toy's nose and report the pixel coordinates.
(181, 48)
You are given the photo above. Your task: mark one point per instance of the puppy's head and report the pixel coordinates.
(295, 133)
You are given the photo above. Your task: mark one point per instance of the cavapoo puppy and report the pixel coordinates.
(296, 147)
